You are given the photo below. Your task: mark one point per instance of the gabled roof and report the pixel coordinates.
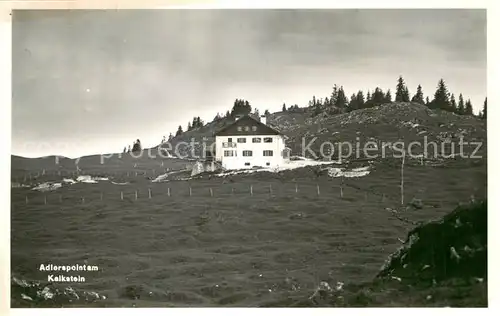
(255, 127)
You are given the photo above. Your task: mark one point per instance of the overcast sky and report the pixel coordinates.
(93, 81)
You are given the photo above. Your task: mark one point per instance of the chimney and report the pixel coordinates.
(263, 119)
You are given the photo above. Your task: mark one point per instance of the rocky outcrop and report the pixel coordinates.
(454, 247)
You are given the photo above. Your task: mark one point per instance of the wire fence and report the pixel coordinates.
(207, 190)
(334, 187)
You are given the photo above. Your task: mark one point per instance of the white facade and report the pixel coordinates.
(248, 151)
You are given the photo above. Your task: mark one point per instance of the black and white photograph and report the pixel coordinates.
(270, 157)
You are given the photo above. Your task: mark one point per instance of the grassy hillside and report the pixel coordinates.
(34, 170)
(233, 248)
(386, 123)
(255, 239)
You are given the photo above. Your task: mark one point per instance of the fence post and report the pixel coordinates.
(26, 199)
(136, 195)
(121, 195)
(168, 190)
(296, 188)
(251, 190)
(232, 190)
(270, 189)
(341, 191)
(190, 191)
(149, 192)
(211, 192)
(317, 187)
(402, 178)
(83, 200)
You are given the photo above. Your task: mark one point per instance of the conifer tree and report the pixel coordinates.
(406, 96)
(483, 114)
(360, 100)
(461, 105)
(283, 109)
(341, 100)
(468, 108)
(334, 95)
(241, 107)
(352, 103)
(179, 131)
(388, 96)
(137, 146)
(419, 96)
(441, 97)
(378, 97)
(402, 94)
(453, 104)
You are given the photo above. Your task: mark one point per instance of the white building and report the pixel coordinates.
(249, 143)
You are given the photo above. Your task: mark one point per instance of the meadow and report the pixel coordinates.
(241, 240)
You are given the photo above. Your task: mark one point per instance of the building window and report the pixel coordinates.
(268, 163)
(268, 139)
(247, 164)
(241, 140)
(268, 153)
(228, 153)
(286, 153)
(256, 140)
(229, 140)
(247, 128)
(240, 128)
(247, 153)
(254, 128)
